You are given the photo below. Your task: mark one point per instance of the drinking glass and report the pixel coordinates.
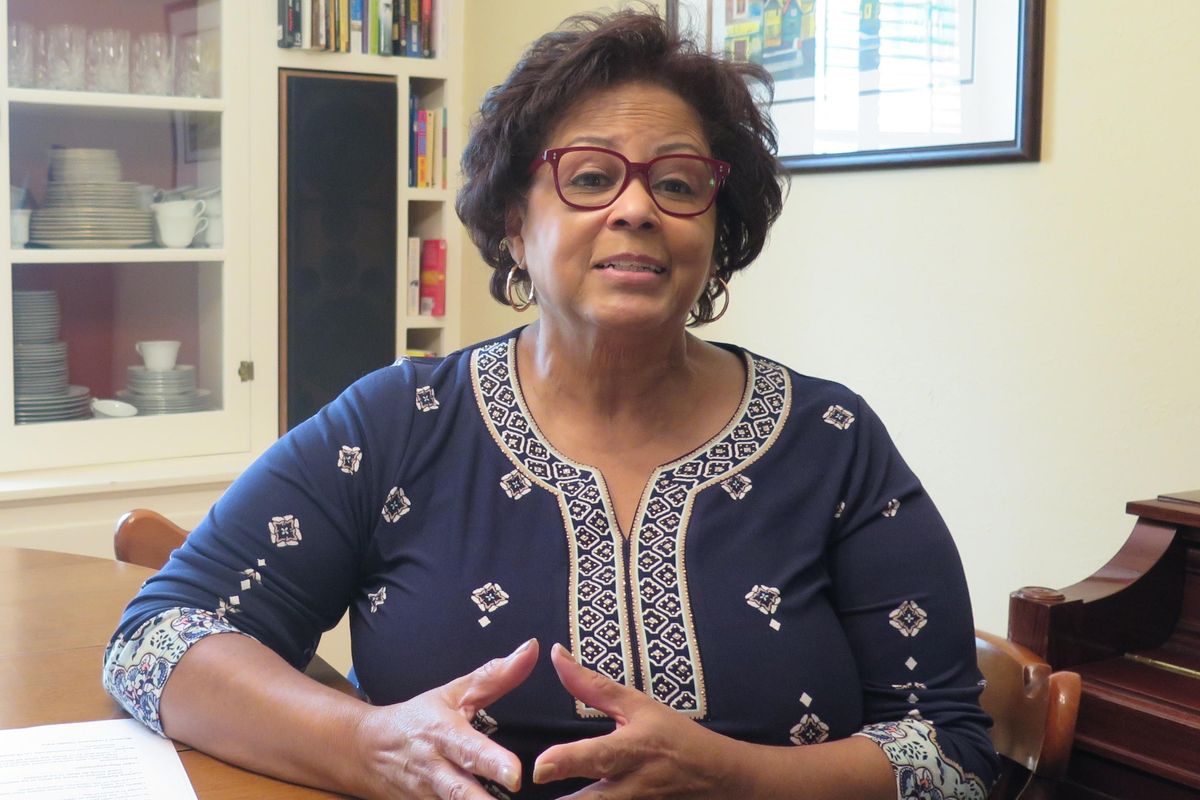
(108, 60)
(153, 66)
(65, 57)
(196, 67)
(22, 49)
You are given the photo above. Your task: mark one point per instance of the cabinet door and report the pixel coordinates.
(124, 311)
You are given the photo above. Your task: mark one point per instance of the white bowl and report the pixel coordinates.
(113, 408)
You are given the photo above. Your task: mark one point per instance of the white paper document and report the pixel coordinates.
(105, 760)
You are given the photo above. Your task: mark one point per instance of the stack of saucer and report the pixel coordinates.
(88, 205)
(43, 392)
(171, 391)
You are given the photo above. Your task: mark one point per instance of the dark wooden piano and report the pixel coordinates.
(1132, 631)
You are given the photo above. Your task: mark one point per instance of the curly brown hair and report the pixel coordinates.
(593, 52)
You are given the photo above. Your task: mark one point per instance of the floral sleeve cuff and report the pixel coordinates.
(136, 669)
(922, 769)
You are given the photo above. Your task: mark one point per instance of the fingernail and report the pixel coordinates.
(544, 773)
(523, 647)
(510, 779)
(564, 652)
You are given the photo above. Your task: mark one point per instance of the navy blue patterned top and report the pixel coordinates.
(788, 583)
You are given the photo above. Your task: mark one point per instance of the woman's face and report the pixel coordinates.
(629, 266)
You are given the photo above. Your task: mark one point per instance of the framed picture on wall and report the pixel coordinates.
(887, 83)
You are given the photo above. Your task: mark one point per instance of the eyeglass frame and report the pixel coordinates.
(721, 170)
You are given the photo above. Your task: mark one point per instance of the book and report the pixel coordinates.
(412, 137)
(344, 26)
(384, 28)
(306, 28)
(414, 276)
(414, 28)
(445, 148)
(398, 31)
(356, 26)
(283, 36)
(433, 277)
(422, 145)
(297, 19)
(427, 28)
(432, 140)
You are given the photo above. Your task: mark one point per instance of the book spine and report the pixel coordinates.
(427, 28)
(282, 38)
(384, 24)
(306, 28)
(356, 26)
(399, 32)
(344, 27)
(445, 147)
(414, 276)
(298, 25)
(432, 118)
(412, 138)
(433, 276)
(414, 28)
(422, 145)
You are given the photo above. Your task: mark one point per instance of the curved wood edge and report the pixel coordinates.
(1129, 603)
(1063, 711)
(146, 538)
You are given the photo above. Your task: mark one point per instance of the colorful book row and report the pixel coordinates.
(372, 27)
(426, 277)
(427, 168)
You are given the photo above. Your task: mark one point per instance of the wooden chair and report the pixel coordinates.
(147, 538)
(1033, 711)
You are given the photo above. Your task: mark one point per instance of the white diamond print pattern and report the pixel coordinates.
(892, 508)
(349, 459)
(515, 485)
(908, 618)
(838, 417)
(377, 598)
(738, 486)
(427, 399)
(489, 597)
(809, 730)
(285, 531)
(396, 505)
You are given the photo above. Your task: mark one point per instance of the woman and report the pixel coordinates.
(757, 597)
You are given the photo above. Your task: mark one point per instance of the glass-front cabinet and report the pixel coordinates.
(125, 273)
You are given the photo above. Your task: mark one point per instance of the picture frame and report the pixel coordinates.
(865, 84)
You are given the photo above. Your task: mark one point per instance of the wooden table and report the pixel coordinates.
(57, 612)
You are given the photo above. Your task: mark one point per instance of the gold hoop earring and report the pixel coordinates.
(723, 289)
(517, 305)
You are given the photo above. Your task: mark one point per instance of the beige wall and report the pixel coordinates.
(1030, 332)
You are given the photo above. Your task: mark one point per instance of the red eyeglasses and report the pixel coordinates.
(589, 178)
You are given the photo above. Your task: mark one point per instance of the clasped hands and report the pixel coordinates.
(427, 748)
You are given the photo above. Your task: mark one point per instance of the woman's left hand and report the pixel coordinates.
(654, 752)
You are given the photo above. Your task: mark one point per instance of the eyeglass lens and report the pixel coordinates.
(592, 179)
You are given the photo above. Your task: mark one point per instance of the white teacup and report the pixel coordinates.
(178, 231)
(177, 208)
(159, 355)
(215, 235)
(19, 226)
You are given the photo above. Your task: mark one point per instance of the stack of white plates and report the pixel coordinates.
(74, 403)
(120, 194)
(91, 227)
(170, 391)
(40, 369)
(84, 165)
(88, 205)
(36, 317)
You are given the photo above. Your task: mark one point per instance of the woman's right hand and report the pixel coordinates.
(426, 747)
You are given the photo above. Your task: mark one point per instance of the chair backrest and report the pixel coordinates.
(1033, 710)
(146, 538)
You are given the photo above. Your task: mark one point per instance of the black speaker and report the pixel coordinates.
(338, 151)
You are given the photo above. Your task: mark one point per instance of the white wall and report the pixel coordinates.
(1029, 332)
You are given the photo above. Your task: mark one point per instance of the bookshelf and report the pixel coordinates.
(427, 213)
